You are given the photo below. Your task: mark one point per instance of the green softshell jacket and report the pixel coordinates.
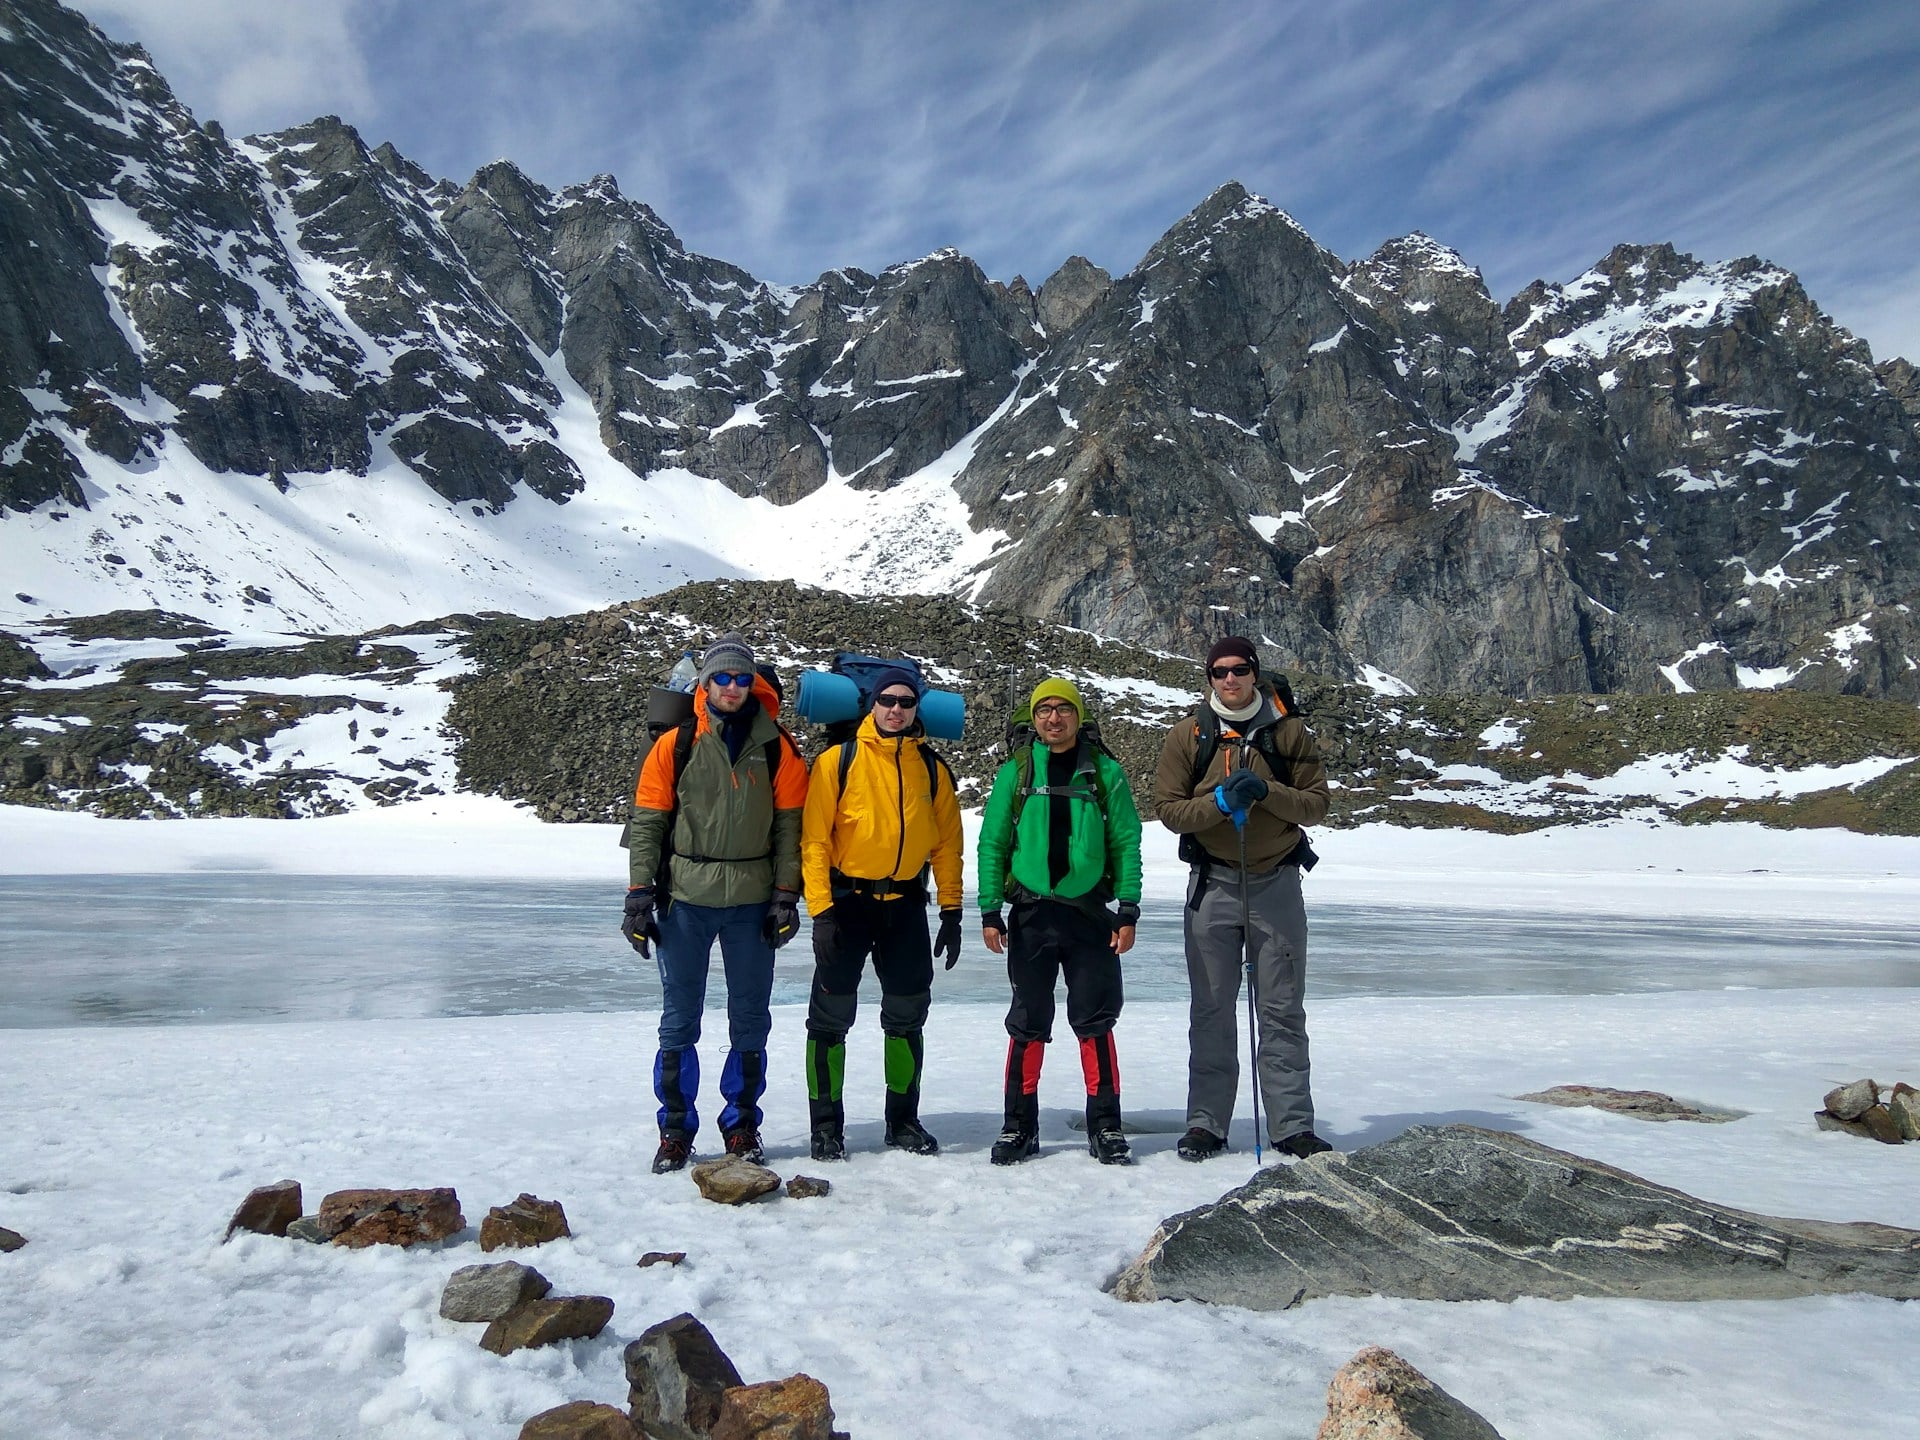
(1004, 856)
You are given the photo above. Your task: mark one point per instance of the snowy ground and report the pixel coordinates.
(935, 1297)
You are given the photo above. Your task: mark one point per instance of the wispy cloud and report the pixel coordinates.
(791, 136)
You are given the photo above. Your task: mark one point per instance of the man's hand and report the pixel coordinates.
(948, 941)
(637, 923)
(993, 930)
(1243, 790)
(783, 918)
(1129, 916)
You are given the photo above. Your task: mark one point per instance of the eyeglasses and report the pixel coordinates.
(1221, 672)
(897, 702)
(743, 680)
(1047, 712)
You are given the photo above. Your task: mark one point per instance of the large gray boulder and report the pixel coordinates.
(1455, 1212)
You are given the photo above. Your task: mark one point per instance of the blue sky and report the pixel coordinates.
(789, 138)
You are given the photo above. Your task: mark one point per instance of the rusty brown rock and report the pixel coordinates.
(1851, 1101)
(1378, 1396)
(661, 1257)
(358, 1218)
(796, 1408)
(267, 1210)
(580, 1420)
(1881, 1125)
(527, 1220)
(733, 1181)
(547, 1322)
(676, 1374)
(806, 1187)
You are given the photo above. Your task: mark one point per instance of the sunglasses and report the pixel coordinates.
(1221, 672)
(897, 702)
(743, 680)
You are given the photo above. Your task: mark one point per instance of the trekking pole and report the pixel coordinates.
(1253, 1015)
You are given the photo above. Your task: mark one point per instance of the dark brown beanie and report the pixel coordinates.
(1232, 648)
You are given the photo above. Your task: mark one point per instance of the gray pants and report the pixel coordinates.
(1279, 941)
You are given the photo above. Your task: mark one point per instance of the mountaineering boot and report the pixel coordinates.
(1020, 1131)
(1302, 1145)
(1013, 1146)
(1200, 1144)
(744, 1141)
(904, 1130)
(674, 1150)
(829, 1143)
(1106, 1141)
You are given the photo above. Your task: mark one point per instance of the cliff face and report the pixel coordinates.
(1663, 474)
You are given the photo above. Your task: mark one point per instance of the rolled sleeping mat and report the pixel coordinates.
(826, 698)
(943, 713)
(667, 708)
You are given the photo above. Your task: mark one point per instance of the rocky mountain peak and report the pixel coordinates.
(1069, 293)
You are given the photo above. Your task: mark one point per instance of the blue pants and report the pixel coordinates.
(687, 933)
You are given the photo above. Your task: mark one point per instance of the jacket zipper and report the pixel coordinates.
(900, 780)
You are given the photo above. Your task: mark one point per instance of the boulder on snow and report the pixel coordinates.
(1455, 1212)
(476, 1294)
(1904, 1106)
(676, 1374)
(731, 1180)
(547, 1322)
(1638, 1104)
(580, 1420)
(526, 1220)
(358, 1218)
(1378, 1396)
(807, 1187)
(796, 1408)
(1851, 1101)
(10, 1240)
(267, 1210)
(661, 1257)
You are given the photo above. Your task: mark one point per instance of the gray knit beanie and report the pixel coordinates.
(730, 653)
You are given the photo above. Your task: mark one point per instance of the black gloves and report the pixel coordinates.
(990, 920)
(783, 918)
(948, 943)
(1242, 790)
(1129, 914)
(638, 924)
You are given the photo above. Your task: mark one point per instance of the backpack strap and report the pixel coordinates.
(936, 762)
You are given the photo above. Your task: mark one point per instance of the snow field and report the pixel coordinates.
(935, 1297)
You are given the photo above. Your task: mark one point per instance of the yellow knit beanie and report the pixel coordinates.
(1058, 687)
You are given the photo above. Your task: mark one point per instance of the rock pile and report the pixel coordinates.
(1858, 1109)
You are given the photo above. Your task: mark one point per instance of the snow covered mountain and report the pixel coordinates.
(295, 382)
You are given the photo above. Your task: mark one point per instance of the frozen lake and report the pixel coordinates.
(184, 949)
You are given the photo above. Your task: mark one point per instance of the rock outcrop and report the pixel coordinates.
(1459, 1213)
(1637, 1104)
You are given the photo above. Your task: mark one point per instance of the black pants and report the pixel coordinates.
(1048, 939)
(894, 934)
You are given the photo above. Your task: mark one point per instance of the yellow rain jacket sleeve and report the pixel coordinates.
(895, 815)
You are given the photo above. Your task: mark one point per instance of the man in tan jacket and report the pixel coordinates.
(1237, 780)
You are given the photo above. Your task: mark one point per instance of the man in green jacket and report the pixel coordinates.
(715, 855)
(1059, 840)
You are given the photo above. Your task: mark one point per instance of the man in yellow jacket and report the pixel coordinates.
(880, 813)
